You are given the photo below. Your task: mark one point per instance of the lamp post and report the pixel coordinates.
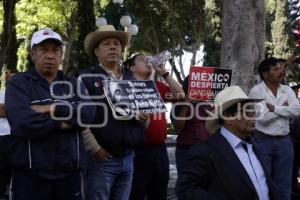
(125, 19)
(101, 21)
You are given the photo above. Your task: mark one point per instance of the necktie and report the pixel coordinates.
(245, 147)
(248, 139)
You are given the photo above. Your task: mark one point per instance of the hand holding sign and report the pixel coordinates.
(127, 96)
(161, 70)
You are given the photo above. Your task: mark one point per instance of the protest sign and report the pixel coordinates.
(206, 82)
(126, 96)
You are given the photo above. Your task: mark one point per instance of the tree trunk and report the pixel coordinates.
(11, 58)
(71, 27)
(8, 37)
(85, 24)
(243, 37)
(175, 70)
(212, 35)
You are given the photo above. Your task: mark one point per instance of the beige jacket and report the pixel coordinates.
(90, 142)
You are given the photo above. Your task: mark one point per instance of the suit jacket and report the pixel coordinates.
(213, 171)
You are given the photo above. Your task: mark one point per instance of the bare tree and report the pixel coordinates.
(243, 37)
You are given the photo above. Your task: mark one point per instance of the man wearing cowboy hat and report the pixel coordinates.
(227, 165)
(110, 167)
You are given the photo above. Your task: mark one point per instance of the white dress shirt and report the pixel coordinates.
(277, 122)
(4, 126)
(250, 162)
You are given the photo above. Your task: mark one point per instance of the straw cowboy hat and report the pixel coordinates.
(224, 100)
(103, 32)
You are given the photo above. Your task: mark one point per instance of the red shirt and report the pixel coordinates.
(156, 132)
(194, 130)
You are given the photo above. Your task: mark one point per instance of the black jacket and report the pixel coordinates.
(214, 172)
(115, 135)
(39, 143)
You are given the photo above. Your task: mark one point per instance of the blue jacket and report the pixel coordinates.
(116, 136)
(39, 144)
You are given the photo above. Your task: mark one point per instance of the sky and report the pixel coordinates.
(186, 65)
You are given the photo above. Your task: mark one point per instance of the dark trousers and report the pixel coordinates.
(278, 152)
(5, 171)
(151, 174)
(25, 187)
(296, 171)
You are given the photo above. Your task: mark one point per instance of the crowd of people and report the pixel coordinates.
(61, 140)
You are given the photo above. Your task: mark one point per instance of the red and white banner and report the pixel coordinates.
(206, 82)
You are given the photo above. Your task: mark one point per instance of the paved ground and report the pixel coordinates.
(173, 172)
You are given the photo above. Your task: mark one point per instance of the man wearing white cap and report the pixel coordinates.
(110, 166)
(227, 165)
(42, 105)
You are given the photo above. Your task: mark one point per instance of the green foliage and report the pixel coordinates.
(36, 14)
(22, 57)
(163, 24)
(99, 6)
(113, 13)
(177, 26)
(152, 35)
(3, 77)
(188, 22)
(281, 30)
(166, 25)
(294, 73)
(279, 40)
(85, 25)
(1, 17)
(270, 17)
(269, 49)
(212, 40)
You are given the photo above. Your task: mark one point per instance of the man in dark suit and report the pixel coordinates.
(227, 165)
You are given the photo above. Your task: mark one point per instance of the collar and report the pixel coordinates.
(233, 140)
(280, 89)
(36, 76)
(110, 73)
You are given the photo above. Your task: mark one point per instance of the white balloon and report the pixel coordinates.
(133, 29)
(125, 20)
(101, 21)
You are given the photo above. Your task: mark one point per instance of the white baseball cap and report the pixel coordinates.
(44, 34)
